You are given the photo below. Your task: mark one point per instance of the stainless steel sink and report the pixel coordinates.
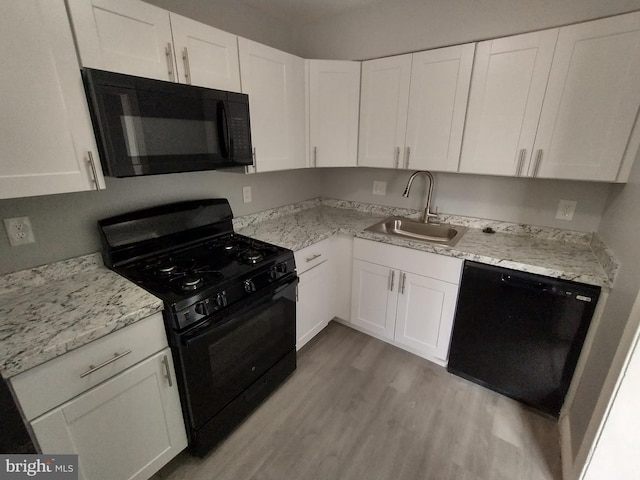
(443, 234)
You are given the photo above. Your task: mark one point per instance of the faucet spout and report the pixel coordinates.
(427, 215)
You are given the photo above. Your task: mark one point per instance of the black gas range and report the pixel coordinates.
(229, 306)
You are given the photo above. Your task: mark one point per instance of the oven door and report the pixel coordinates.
(231, 351)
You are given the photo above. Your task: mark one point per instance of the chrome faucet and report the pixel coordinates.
(427, 215)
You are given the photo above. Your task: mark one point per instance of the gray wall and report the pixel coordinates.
(521, 200)
(399, 26)
(620, 229)
(65, 225)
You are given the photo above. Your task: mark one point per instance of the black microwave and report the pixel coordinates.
(149, 127)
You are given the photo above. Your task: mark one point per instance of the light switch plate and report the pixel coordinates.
(379, 188)
(566, 209)
(246, 194)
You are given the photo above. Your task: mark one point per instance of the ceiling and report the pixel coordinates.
(306, 11)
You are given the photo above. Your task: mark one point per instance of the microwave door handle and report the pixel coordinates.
(227, 117)
(223, 130)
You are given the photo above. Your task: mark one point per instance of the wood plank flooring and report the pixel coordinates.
(358, 408)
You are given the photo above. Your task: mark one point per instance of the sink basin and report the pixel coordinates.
(443, 234)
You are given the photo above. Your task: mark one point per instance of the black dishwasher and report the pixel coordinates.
(520, 334)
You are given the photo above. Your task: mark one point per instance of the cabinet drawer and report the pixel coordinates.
(439, 267)
(312, 255)
(48, 385)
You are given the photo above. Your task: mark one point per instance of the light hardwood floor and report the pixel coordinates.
(358, 408)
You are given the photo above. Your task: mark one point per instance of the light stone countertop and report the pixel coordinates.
(532, 252)
(50, 310)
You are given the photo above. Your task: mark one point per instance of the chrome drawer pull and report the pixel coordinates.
(313, 257)
(165, 361)
(523, 153)
(94, 172)
(393, 276)
(116, 356)
(169, 54)
(403, 278)
(187, 69)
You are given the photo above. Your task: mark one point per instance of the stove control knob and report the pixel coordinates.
(249, 286)
(281, 268)
(221, 300)
(202, 308)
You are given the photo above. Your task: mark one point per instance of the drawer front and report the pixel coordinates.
(439, 267)
(48, 385)
(313, 255)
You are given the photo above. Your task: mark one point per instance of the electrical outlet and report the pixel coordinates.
(566, 209)
(19, 231)
(246, 194)
(379, 188)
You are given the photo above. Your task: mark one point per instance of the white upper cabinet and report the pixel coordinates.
(383, 111)
(124, 36)
(136, 38)
(206, 56)
(274, 81)
(437, 106)
(334, 101)
(591, 102)
(413, 109)
(507, 90)
(45, 129)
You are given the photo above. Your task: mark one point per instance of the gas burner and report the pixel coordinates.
(167, 269)
(251, 256)
(191, 282)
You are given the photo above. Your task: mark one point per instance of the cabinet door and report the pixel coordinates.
(315, 302)
(45, 128)
(274, 81)
(425, 314)
(507, 89)
(334, 102)
(124, 36)
(126, 428)
(374, 298)
(592, 100)
(437, 107)
(206, 56)
(384, 102)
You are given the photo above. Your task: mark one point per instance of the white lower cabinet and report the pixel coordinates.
(405, 297)
(316, 296)
(115, 404)
(126, 428)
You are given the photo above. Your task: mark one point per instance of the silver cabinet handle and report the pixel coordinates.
(169, 54)
(393, 276)
(403, 279)
(94, 172)
(537, 165)
(406, 159)
(523, 153)
(315, 156)
(397, 157)
(187, 70)
(167, 370)
(116, 356)
(313, 257)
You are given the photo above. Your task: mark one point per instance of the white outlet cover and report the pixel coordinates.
(379, 188)
(246, 194)
(566, 210)
(19, 231)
